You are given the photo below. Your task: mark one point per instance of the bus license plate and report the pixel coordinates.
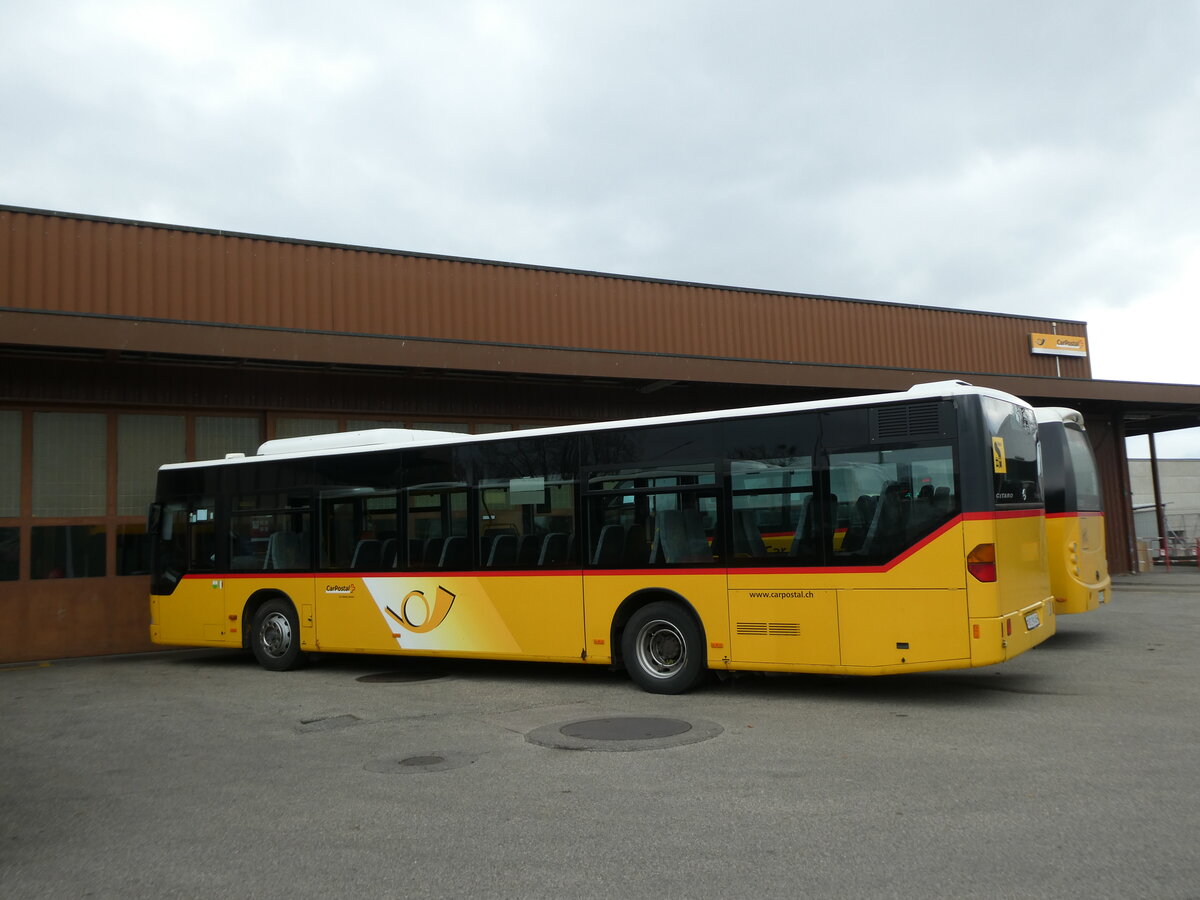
(1032, 621)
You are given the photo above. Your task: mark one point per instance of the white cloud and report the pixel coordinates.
(1155, 335)
(1182, 444)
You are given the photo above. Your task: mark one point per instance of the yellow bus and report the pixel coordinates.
(890, 533)
(1079, 576)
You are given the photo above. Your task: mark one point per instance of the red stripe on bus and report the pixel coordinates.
(392, 573)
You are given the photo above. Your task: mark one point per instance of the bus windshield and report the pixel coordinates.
(1083, 466)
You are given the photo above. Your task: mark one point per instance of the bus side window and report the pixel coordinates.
(773, 514)
(435, 514)
(886, 516)
(270, 531)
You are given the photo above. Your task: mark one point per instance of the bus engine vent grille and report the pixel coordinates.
(910, 420)
(777, 629)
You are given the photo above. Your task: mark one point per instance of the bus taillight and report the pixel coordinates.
(981, 562)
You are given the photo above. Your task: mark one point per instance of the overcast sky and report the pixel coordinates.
(1029, 157)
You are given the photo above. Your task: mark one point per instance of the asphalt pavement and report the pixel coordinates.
(1072, 771)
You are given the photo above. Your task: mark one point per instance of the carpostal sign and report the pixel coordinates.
(1058, 344)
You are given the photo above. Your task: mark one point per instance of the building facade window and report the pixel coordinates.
(144, 442)
(10, 554)
(70, 464)
(67, 551)
(295, 426)
(10, 463)
(219, 435)
(456, 427)
(10, 493)
(369, 424)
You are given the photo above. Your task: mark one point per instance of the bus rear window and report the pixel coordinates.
(1083, 464)
(1014, 448)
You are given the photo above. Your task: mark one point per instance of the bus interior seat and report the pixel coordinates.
(368, 554)
(431, 552)
(886, 532)
(679, 537)
(553, 550)
(503, 551)
(610, 547)
(456, 553)
(637, 548)
(803, 534)
(287, 550)
(747, 538)
(387, 554)
(486, 540)
(860, 520)
(527, 550)
(923, 512)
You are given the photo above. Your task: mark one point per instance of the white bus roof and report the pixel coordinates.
(400, 438)
(344, 439)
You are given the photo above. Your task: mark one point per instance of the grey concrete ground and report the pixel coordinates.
(1072, 771)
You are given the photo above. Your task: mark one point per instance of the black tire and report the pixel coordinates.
(663, 648)
(275, 636)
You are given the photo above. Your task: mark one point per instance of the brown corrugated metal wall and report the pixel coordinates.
(58, 263)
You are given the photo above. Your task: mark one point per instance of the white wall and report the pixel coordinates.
(1179, 480)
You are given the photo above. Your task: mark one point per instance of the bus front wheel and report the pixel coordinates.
(663, 648)
(276, 636)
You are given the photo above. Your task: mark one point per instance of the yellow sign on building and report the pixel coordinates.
(1058, 344)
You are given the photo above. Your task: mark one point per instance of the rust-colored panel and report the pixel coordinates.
(78, 264)
(1107, 437)
(62, 618)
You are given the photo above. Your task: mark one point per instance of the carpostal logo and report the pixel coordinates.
(1058, 344)
(344, 589)
(418, 613)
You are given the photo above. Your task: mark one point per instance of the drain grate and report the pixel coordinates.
(416, 764)
(623, 733)
(399, 677)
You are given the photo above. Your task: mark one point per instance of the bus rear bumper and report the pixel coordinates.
(1084, 596)
(995, 640)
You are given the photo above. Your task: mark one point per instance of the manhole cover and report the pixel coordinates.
(626, 728)
(425, 762)
(394, 677)
(622, 733)
(422, 760)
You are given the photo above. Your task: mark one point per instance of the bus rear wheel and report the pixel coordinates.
(275, 636)
(663, 649)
